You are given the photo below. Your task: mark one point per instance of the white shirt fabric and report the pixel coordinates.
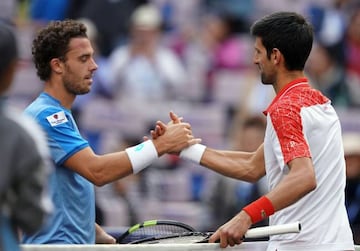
(302, 123)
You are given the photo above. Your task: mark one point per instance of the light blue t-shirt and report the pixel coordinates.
(73, 221)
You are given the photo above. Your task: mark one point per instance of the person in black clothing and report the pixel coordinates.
(25, 159)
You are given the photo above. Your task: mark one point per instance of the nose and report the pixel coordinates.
(255, 60)
(93, 65)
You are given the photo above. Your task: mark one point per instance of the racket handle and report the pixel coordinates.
(259, 232)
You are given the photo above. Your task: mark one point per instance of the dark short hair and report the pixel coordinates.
(290, 33)
(8, 46)
(52, 42)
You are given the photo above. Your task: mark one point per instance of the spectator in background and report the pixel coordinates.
(8, 11)
(43, 11)
(352, 54)
(216, 45)
(329, 23)
(224, 47)
(111, 18)
(25, 161)
(329, 76)
(352, 190)
(353, 43)
(144, 69)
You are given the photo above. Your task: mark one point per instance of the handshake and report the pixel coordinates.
(175, 137)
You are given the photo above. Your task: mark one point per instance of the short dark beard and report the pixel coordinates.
(73, 88)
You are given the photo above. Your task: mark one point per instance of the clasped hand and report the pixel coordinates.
(176, 135)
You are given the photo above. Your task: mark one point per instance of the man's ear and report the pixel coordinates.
(56, 65)
(276, 56)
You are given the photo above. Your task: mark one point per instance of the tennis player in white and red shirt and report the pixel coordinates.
(302, 154)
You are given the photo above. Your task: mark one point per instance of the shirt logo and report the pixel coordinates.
(57, 118)
(292, 143)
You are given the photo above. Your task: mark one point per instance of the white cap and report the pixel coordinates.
(146, 16)
(351, 141)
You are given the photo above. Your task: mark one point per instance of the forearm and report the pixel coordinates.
(100, 169)
(102, 237)
(111, 167)
(247, 166)
(229, 163)
(98, 229)
(295, 185)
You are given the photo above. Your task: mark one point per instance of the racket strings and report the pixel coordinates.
(181, 238)
(153, 231)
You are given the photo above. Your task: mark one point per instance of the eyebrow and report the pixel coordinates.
(87, 55)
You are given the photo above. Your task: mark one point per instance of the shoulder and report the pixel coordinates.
(43, 105)
(294, 101)
(44, 110)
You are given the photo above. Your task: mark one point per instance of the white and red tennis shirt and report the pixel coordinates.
(301, 122)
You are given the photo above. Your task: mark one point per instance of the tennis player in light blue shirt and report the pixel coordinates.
(64, 60)
(73, 196)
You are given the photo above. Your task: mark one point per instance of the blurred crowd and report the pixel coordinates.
(195, 58)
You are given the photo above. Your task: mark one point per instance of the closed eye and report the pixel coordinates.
(84, 58)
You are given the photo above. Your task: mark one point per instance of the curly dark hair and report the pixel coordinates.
(52, 42)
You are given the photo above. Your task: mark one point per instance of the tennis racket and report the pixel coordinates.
(198, 237)
(154, 229)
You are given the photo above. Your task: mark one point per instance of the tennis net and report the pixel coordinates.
(246, 246)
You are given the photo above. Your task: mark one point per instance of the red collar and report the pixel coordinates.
(292, 84)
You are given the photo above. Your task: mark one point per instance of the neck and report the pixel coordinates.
(286, 78)
(58, 92)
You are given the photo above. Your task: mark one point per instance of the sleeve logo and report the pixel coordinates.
(57, 118)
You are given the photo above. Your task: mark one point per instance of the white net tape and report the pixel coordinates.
(247, 246)
(250, 246)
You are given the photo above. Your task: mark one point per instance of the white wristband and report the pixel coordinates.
(193, 153)
(142, 155)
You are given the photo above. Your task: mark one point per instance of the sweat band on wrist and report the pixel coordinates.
(259, 209)
(142, 155)
(193, 153)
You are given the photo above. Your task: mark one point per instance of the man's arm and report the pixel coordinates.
(246, 166)
(299, 182)
(102, 169)
(102, 237)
